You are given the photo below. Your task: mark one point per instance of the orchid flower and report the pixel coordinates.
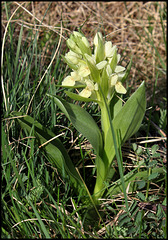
(88, 67)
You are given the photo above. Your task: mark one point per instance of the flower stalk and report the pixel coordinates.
(102, 79)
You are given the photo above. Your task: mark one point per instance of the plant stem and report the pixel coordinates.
(148, 184)
(102, 162)
(105, 124)
(105, 162)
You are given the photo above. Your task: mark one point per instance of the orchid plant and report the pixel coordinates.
(98, 77)
(101, 77)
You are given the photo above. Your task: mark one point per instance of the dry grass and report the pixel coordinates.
(127, 24)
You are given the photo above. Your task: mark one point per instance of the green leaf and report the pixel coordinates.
(113, 63)
(134, 146)
(153, 176)
(115, 106)
(43, 228)
(82, 121)
(154, 148)
(132, 113)
(141, 184)
(141, 196)
(54, 149)
(95, 73)
(128, 120)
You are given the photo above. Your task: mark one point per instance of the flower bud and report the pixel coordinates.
(85, 41)
(72, 57)
(109, 50)
(81, 42)
(97, 36)
(72, 45)
(70, 64)
(77, 34)
(99, 47)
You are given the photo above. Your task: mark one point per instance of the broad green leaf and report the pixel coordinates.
(82, 121)
(128, 120)
(115, 106)
(54, 149)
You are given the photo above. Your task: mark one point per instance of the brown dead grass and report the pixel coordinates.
(128, 25)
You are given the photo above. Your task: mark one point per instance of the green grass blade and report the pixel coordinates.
(18, 47)
(39, 219)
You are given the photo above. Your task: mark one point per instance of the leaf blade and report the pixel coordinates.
(54, 149)
(82, 121)
(128, 119)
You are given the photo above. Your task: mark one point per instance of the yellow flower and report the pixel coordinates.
(70, 80)
(101, 67)
(114, 82)
(89, 89)
(83, 70)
